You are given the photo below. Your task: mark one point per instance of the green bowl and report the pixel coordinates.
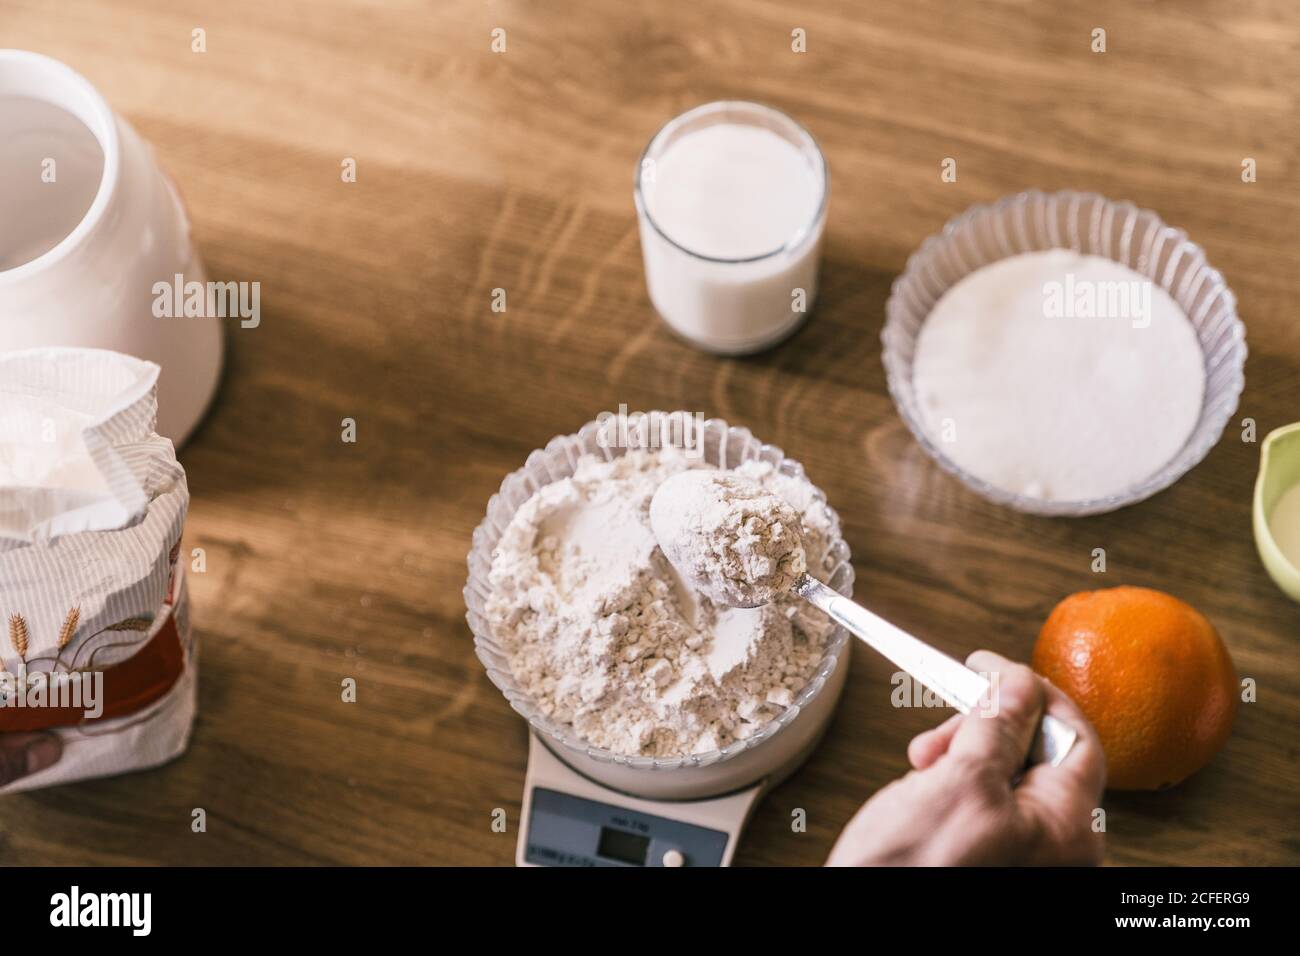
(1279, 469)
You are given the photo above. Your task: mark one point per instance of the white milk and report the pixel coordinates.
(50, 168)
(1059, 376)
(730, 200)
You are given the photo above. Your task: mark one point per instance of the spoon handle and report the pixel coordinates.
(958, 685)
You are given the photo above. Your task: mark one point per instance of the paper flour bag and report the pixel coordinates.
(94, 624)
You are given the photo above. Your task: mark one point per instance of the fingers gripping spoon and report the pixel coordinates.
(736, 542)
(958, 685)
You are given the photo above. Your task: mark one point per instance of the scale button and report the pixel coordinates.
(674, 858)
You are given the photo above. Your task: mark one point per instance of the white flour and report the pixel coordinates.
(602, 633)
(1058, 406)
(732, 538)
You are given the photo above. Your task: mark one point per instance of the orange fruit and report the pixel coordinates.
(1152, 675)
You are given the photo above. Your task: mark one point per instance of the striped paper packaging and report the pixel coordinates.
(94, 637)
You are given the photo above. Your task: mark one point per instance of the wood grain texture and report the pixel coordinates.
(479, 171)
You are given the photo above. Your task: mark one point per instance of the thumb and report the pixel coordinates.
(1003, 733)
(24, 754)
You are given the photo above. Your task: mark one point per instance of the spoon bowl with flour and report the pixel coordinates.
(733, 540)
(739, 544)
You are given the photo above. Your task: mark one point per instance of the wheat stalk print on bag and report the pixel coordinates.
(69, 627)
(18, 635)
(131, 624)
(123, 630)
(20, 638)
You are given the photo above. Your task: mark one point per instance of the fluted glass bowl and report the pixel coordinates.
(1090, 224)
(725, 447)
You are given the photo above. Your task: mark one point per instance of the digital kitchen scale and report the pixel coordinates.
(569, 820)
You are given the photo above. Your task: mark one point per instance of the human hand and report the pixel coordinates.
(959, 805)
(24, 754)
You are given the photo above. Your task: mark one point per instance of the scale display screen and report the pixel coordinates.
(623, 846)
(567, 830)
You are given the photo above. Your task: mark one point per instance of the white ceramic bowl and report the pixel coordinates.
(772, 752)
(1091, 224)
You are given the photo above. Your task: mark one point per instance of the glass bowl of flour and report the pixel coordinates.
(621, 670)
(1063, 354)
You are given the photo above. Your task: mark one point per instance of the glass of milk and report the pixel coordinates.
(731, 202)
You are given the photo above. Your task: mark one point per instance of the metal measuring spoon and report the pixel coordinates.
(681, 517)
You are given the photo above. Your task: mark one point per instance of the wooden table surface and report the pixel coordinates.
(479, 171)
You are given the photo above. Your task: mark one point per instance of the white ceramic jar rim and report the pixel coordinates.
(750, 114)
(39, 77)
